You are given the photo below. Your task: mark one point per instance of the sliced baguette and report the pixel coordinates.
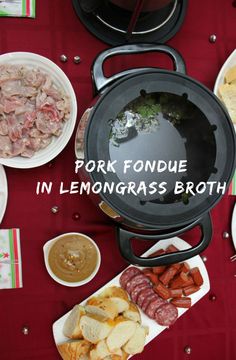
(132, 313)
(71, 328)
(101, 351)
(136, 343)
(118, 296)
(94, 328)
(74, 350)
(124, 356)
(103, 307)
(120, 334)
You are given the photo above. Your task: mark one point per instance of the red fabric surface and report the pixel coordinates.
(210, 326)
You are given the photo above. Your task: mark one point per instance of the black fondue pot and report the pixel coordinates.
(151, 114)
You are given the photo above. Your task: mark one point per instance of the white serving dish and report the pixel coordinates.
(233, 227)
(3, 192)
(154, 328)
(60, 80)
(46, 249)
(229, 63)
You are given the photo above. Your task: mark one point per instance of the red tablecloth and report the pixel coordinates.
(209, 328)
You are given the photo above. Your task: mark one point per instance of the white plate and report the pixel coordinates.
(154, 328)
(233, 226)
(229, 63)
(60, 79)
(3, 192)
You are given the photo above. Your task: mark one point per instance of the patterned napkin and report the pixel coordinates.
(17, 8)
(10, 259)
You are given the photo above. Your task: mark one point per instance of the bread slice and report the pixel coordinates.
(230, 75)
(103, 307)
(228, 95)
(74, 350)
(136, 343)
(101, 351)
(124, 356)
(71, 328)
(132, 313)
(118, 296)
(94, 328)
(120, 334)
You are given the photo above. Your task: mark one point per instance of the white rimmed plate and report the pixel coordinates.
(233, 226)
(60, 80)
(229, 63)
(3, 192)
(154, 328)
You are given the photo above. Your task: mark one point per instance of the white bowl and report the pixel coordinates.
(46, 249)
(229, 63)
(3, 192)
(60, 80)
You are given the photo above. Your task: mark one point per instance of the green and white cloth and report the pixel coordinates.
(10, 259)
(17, 8)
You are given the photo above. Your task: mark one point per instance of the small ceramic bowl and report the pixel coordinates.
(46, 249)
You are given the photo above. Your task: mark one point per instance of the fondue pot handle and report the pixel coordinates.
(124, 237)
(101, 81)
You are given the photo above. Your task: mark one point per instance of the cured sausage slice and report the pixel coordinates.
(166, 314)
(144, 294)
(153, 306)
(136, 280)
(127, 275)
(138, 289)
(147, 301)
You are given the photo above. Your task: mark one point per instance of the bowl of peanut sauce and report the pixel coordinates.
(72, 259)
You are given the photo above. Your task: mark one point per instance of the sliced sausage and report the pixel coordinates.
(153, 306)
(127, 275)
(176, 293)
(171, 248)
(190, 290)
(183, 302)
(196, 275)
(179, 281)
(158, 252)
(151, 276)
(159, 269)
(166, 314)
(145, 293)
(147, 301)
(137, 289)
(162, 291)
(185, 267)
(169, 273)
(136, 280)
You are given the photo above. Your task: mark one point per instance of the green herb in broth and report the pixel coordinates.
(145, 106)
(139, 116)
(176, 108)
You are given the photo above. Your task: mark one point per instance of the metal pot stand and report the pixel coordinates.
(110, 23)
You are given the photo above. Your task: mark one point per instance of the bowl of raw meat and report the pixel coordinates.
(38, 110)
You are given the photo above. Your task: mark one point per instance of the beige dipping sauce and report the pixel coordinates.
(73, 258)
